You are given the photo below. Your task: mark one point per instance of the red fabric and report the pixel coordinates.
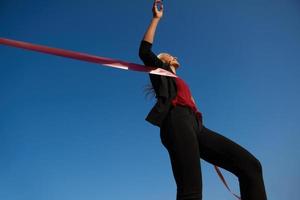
(86, 57)
(184, 97)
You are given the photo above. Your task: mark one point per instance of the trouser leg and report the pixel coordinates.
(223, 152)
(180, 139)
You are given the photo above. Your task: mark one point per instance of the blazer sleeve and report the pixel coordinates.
(148, 57)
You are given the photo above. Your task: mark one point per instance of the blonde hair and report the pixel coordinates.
(161, 54)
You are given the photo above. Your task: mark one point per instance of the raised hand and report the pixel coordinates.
(157, 12)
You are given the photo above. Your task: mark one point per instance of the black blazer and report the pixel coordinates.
(164, 86)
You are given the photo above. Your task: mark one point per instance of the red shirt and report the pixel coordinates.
(184, 97)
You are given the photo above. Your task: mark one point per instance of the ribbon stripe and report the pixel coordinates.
(86, 57)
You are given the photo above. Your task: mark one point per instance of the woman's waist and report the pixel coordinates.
(187, 109)
(185, 105)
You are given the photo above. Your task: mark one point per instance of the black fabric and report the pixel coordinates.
(187, 140)
(164, 87)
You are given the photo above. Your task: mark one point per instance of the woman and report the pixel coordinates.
(183, 134)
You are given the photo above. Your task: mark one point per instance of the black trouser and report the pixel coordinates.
(187, 140)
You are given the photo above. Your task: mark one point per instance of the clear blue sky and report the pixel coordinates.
(75, 130)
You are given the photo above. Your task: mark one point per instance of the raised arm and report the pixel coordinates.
(145, 50)
(157, 15)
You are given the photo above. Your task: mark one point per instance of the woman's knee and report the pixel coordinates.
(258, 166)
(251, 168)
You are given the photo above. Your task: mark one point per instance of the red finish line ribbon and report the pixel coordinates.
(99, 60)
(86, 57)
(223, 180)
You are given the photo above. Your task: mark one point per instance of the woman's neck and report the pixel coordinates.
(173, 69)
